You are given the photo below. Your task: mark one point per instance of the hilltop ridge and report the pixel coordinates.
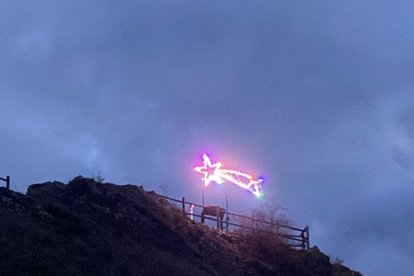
(90, 228)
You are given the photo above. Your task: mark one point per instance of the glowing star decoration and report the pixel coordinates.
(211, 171)
(214, 172)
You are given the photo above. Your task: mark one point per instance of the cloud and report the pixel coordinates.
(314, 96)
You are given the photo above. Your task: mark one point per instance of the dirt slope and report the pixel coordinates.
(89, 228)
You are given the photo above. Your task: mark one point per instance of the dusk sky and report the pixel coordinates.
(315, 96)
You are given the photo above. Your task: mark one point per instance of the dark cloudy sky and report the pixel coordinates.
(316, 96)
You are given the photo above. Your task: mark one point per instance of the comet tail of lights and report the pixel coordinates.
(214, 172)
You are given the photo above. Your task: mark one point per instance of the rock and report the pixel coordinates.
(46, 188)
(82, 185)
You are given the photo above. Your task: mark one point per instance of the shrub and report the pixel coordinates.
(264, 233)
(98, 178)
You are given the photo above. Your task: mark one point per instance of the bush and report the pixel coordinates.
(267, 220)
(264, 233)
(98, 178)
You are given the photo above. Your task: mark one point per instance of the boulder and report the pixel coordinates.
(46, 188)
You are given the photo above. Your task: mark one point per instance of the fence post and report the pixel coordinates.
(183, 202)
(218, 217)
(307, 236)
(7, 180)
(303, 237)
(227, 221)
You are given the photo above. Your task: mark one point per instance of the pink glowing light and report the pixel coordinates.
(214, 172)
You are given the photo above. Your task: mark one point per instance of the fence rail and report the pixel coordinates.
(294, 234)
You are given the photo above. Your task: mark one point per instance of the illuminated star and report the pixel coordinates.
(214, 172)
(210, 171)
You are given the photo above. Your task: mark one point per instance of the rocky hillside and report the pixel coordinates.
(90, 228)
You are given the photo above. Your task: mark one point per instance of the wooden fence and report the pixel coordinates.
(297, 237)
(7, 180)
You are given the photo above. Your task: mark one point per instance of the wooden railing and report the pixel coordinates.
(7, 180)
(296, 236)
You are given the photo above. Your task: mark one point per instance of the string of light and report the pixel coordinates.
(214, 172)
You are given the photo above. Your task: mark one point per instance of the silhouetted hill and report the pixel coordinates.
(89, 228)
